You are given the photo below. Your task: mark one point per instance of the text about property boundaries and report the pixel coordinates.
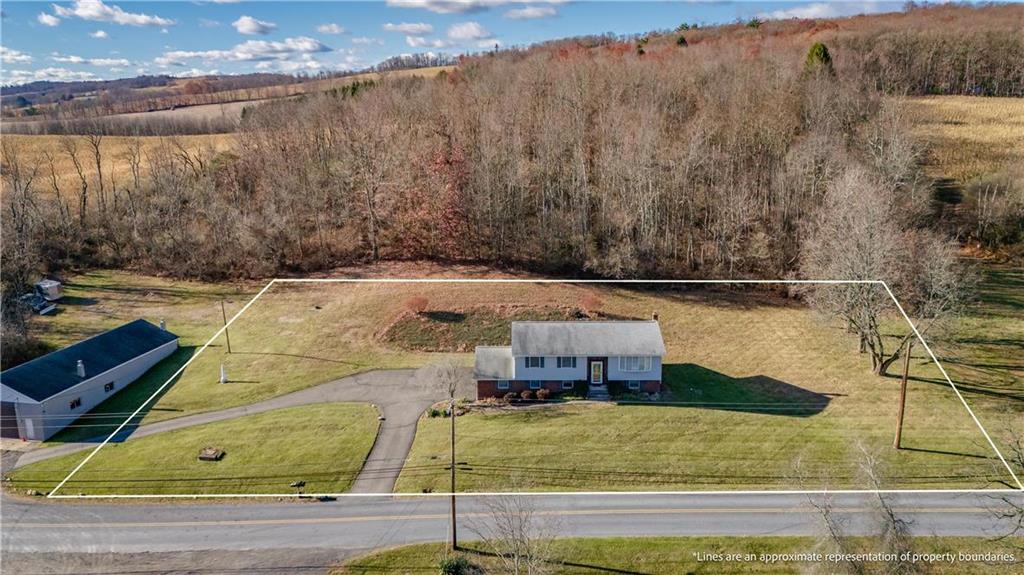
(948, 558)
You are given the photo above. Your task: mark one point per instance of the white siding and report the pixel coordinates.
(57, 409)
(615, 374)
(551, 371)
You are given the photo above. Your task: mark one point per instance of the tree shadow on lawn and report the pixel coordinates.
(1010, 393)
(96, 425)
(697, 386)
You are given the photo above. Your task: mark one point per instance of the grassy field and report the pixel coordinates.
(323, 445)
(662, 556)
(114, 149)
(984, 354)
(740, 365)
(968, 137)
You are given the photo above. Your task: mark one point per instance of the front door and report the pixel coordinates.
(597, 372)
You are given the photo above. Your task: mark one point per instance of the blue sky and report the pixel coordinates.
(94, 39)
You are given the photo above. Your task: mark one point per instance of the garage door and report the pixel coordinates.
(8, 420)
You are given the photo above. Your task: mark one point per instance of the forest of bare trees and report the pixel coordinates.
(703, 159)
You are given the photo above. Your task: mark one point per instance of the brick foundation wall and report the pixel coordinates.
(489, 388)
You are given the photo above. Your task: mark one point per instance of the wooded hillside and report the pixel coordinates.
(695, 153)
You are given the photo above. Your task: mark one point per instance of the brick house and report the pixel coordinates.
(565, 355)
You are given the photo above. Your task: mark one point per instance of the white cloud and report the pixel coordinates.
(468, 31)
(97, 11)
(462, 6)
(195, 73)
(410, 28)
(47, 19)
(251, 51)
(99, 34)
(421, 42)
(14, 77)
(531, 13)
(207, 23)
(10, 55)
(331, 28)
(489, 43)
(71, 59)
(250, 25)
(367, 40)
(830, 10)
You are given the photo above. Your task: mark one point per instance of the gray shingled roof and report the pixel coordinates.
(493, 363)
(587, 338)
(54, 372)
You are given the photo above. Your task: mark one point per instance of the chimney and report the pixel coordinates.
(654, 316)
(80, 368)
(163, 324)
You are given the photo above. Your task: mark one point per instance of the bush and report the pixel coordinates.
(417, 304)
(543, 394)
(457, 565)
(526, 394)
(510, 397)
(435, 412)
(818, 58)
(681, 41)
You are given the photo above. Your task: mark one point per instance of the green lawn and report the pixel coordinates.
(984, 354)
(662, 555)
(766, 396)
(323, 445)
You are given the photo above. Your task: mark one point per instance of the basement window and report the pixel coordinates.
(76, 403)
(634, 384)
(535, 384)
(567, 385)
(503, 384)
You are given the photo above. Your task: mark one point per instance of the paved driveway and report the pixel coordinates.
(400, 395)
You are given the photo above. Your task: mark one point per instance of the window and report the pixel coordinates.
(567, 385)
(534, 361)
(76, 403)
(503, 384)
(108, 387)
(535, 384)
(634, 384)
(566, 361)
(634, 363)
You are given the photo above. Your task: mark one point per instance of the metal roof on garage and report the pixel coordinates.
(55, 372)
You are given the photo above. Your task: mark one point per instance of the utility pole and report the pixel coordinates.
(224, 315)
(903, 396)
(455, 539)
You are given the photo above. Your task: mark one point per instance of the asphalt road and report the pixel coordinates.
(373, 522)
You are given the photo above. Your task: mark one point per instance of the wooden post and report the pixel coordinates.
(903, 396)
(224, 315)
(455, 536)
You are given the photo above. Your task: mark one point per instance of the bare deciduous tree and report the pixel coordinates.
(515, 532)
(856, 236)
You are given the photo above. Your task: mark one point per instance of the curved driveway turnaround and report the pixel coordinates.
(401, 396)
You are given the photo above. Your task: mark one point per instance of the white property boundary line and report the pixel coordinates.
(53, 492)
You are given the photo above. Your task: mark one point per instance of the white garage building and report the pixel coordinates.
(47, 394)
